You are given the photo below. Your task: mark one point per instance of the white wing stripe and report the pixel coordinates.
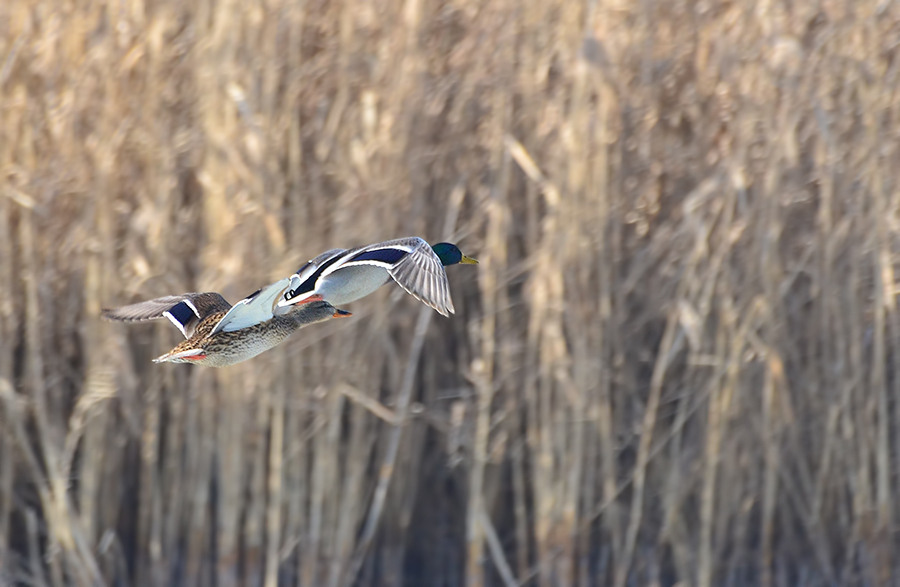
(404, 248)
(191, 305)
(175, 321)
(381, 264)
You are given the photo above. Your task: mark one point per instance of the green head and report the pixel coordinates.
(449, 254)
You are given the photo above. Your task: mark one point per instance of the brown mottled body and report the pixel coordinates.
(218, 334)
(227, 348)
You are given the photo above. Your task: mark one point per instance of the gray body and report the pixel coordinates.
(352, 283)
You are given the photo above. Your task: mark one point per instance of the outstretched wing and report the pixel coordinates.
(255, 308)
(185, 311)
(420, 272)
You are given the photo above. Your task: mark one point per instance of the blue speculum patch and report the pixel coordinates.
(182, 312)
(383, 255)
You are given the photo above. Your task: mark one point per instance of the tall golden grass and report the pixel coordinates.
(674, 365)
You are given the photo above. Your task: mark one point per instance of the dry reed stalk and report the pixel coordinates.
(353, 495)
(319, 468)
(297, 460)
(605, 243)
(883, 308)
(231, 477)
(34, 550)
(591, 363)
(89, 422)
(6, 504)
(403, 498)
(483, 371)
(7, 327)
(732, 339)
(252, 532)
(643, 456)
(669, 345)
(771, 428)
(331, 478)
(369, 403)
(497, 551)
(13, 410)
(150, 501)
(730, 343)
(389, 460)
(894, 335)
(574, 367)
(65, 528)
(198, 465)
(545, 346)
(275, 482)
(505, 367)
(167, 505)
(520, 505)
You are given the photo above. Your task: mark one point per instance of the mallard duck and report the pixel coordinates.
(340, 276)
(218, 334)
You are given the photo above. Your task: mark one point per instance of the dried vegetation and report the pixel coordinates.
(675, 362)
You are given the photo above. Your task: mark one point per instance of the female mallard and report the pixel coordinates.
(340, 276)
(219, 334)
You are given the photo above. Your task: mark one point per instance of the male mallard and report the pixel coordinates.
(339, 276)
(219, 334)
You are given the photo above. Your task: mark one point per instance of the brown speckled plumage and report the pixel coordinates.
(225, 347)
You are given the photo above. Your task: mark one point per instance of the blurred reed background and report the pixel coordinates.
(674, 365)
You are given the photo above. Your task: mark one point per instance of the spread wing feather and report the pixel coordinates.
(422, 275)
(185, 311)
